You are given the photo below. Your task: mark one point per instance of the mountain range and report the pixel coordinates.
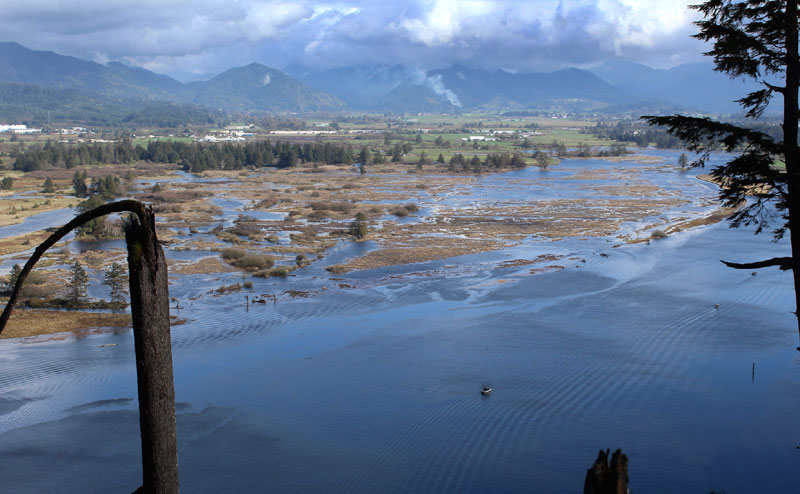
(612, 86)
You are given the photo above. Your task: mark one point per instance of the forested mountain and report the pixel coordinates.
(48, 69)
(694, 86)
(400, 88)
(258, 87)
(40, 106)
(370, 87)
(251, 88)
(504, 89)
(115, 94)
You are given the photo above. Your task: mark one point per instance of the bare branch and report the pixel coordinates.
(784, 263)
(131, 206)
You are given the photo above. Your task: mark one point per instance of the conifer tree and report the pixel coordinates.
(116, 279)
(77, 284)
(358, 228)
(48, 187)
(755, 39)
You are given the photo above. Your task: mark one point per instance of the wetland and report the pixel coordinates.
(366, 358)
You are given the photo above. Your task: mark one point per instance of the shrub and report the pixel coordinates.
(229, 237)
(232, 253)
(254, 261)
(249, 231)
(400, 212)
(342, 207)
(318, 215)
(282, 271)
(267, 202)
(336, 269)
(228, 288)
(411, 207)
(658, 234)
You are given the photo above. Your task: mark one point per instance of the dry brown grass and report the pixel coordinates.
(420, 253)
(25, 323)
(206, 265)
(13, 211)
(21, 243)
(714, 217)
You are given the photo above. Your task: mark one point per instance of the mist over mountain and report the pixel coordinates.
(612, 86)
(693, 86)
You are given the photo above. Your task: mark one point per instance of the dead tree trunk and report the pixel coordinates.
(603, 478)
(150, 314)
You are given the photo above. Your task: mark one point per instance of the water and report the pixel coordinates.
(36, 222)
(376, 389)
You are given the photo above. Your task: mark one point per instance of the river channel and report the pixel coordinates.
(656, 348)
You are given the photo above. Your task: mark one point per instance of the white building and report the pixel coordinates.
(13, 128)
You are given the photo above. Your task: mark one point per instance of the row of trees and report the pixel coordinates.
(107, 187)
(494, 161)
(642, 136)
(115, 278)
(195, 157)
(62, 155)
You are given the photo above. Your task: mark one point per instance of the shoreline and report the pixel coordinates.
(28, 323)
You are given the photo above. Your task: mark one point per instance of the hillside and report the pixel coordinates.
(38, 106)
(256, 87)
(693, 86)
(116, 88)
(251, 88)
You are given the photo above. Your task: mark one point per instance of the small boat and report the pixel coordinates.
(486, 390)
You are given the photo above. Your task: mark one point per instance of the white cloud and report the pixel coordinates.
(206, 36)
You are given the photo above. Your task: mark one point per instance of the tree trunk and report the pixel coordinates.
(605, 478)
(791, 154)
(150, 314)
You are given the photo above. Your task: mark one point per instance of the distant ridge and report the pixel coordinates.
(256, 86)
(239, 89)
(613, 86)
(693, 86)
(402, 88)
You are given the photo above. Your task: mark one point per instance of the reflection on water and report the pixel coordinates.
(376, 388)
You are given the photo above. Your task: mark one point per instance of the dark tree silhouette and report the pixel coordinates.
(756, 39)
(606, 477)
(150, 314)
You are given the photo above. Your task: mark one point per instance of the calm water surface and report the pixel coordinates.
(376, 389)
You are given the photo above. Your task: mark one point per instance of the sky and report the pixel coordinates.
(199, 38)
